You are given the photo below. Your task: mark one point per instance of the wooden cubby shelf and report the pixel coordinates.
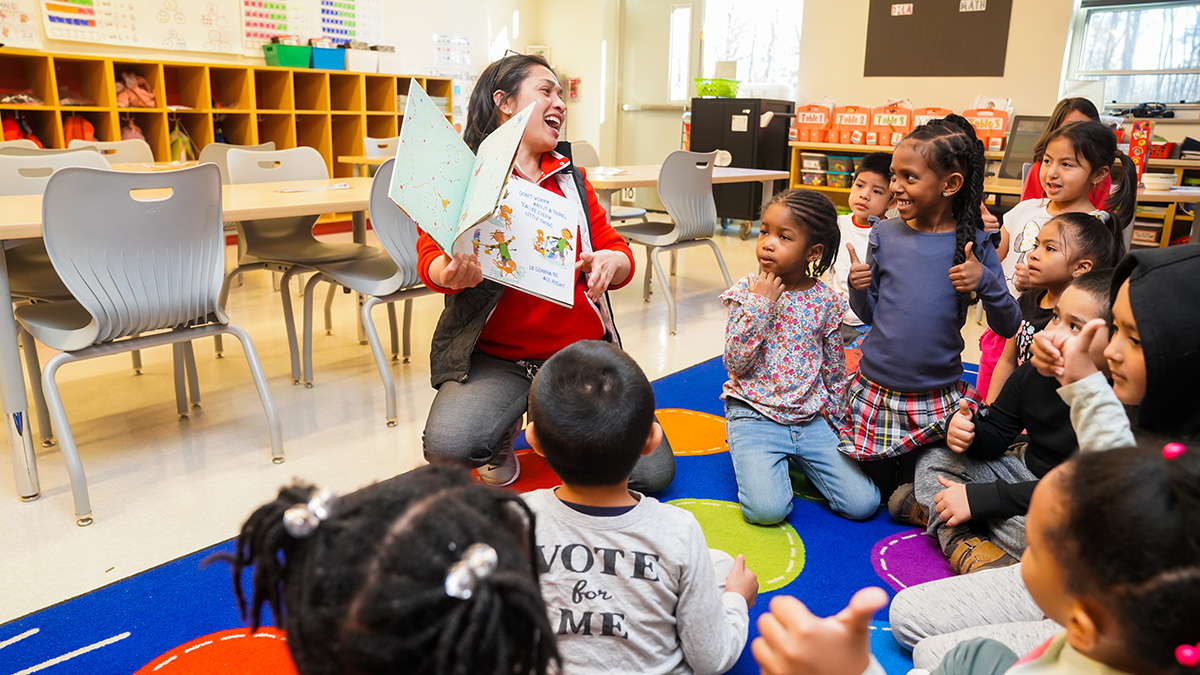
(328, 110)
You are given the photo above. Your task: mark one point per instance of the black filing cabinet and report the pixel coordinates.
(733, 124)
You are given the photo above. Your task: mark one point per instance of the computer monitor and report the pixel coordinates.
(1024, 135)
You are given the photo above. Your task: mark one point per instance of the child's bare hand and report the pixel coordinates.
(951, 504)
(793, 641)
(1076, 353)
(461, 271)
(769, 286)
(1046, 352)
(961, 431)
(742, 581)
(990, 223)
(860, 272)
(965, 277)
(1021, 277)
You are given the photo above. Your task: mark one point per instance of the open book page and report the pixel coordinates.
(433, 169)
(530, 245)
(493, 167)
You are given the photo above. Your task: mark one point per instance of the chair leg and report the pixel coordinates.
(290, 321)
(241, 250)
(189, 361)
(275, 280)
(181, 404)
(648, 277)
(720, 261)
(329, 309)
(309, 292)
(136, 355)
(217, 343)
(668, 295)
(408, 330)
(66, 441)
(29, 347)
(395, 334)
(674, 261)
(264, 394)
(389, 385)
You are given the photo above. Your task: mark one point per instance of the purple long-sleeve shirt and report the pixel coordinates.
(916, 340)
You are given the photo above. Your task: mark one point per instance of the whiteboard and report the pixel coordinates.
(178, 25)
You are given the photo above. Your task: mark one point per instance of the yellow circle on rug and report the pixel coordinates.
(774, 552)
(691, 432)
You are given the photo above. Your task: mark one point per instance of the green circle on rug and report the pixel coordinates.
(774, 552)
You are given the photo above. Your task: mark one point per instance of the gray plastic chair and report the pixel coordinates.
(19, 143)
(131, 151)
(685, 188)
(284, 245)
(385, 279)
(381, 147)
(218, 153)
(584, 155)
(134, 265)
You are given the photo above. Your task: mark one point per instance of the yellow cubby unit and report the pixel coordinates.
(328, 110)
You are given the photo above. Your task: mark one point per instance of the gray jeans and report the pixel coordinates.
(938, 460)
(470, 421)
(932, 618)
(977, 656)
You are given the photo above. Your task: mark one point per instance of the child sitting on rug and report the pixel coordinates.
(1113, 556)
(786, 394)
(922, 272)
(629, 583)
(972, 493)
(407, 575)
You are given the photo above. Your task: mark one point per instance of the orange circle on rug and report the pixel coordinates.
(693, 433)
(228, 652)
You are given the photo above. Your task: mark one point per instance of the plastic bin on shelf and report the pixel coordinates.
(328, 59)
(841, 164)
(288, 56)
(813, 178)
(814, 161)
(362, 61)
(716, 86)
(838, 179)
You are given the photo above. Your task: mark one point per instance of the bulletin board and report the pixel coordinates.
(937, 38)
(18, 24)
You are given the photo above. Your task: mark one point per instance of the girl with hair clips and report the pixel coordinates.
(427, 572)
(1075, 109)
(922, 271)
(490, 339)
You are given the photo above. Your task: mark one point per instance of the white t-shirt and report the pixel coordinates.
(837, 275)
(1022, 222)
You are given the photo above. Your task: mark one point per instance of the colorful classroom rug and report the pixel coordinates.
(181, 618)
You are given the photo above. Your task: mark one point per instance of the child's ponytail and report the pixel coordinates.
(1096, 144)
(1121, 204)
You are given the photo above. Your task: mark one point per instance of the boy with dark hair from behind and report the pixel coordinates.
(870, 197)
(629, 582)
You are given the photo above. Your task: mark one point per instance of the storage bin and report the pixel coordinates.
(362, 61)
(716, 86)
(288, 56)
(814, 161)
(390, 63)
(1161, 150)
(841, 164)
(328, 59)
(838, 179)
(812, 177)
(857, 162)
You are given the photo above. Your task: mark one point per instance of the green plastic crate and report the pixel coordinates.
(716, 86)
(288, 56)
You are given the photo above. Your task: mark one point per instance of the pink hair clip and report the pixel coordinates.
(1188, 656)
(1173, 450)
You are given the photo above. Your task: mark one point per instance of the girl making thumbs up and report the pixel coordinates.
(921, 273)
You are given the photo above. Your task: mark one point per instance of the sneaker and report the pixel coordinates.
(503, 470)
(904, 507)
(975, 553)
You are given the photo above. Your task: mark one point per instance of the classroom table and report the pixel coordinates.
(154, 166)
(21, 218)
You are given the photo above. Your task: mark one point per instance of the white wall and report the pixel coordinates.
(574, 31)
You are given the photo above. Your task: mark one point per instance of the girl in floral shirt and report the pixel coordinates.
(787, 370)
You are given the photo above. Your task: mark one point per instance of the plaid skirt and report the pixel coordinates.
(884, 423)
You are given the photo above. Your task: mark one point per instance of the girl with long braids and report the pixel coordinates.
(427, 572)
(921, 273)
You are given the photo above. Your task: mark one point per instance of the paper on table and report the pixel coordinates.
(323, 188)
(604, 171)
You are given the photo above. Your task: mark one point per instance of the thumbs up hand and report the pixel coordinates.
(965, 277)
(860, 272)
(961, 431)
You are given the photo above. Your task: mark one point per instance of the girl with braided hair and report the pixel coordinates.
(921, 273)
(427, 572)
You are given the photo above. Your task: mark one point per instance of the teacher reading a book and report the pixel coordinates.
(491, 339)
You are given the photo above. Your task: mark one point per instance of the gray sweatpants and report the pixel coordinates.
(932, 618)
(977, 656)
(939, 460)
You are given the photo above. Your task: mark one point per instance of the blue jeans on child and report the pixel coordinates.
(761, 449)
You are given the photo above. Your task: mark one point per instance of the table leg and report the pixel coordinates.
(605, 199)
(12, 398)
(359, 231)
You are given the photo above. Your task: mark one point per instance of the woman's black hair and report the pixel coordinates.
(1090, 239)
(506, 75)
(1065, 107)
(365, 593)
(1130, 536)
(953, 147)
(1096, 144)
(814, 212)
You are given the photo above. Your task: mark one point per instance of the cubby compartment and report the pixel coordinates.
(314, 131)
(346, 91)
(198, 125)
(154, 129)
(348, 135)
(186, 86)
(43, 123)
(273, 90)
(382, 125)
(235, 128)
(83, 83)
(230, 87)
(18, 73)
(104, 124)
(312, 91)
(151, 71)
(381, 93)
(277, 127)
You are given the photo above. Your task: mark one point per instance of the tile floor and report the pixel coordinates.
(162, 487)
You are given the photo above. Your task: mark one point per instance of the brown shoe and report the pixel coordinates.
(976, 553)
(904, 507)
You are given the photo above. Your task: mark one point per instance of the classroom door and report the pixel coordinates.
(649, 122)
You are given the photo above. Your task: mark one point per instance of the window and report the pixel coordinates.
(679, 49)
(1143, 51)
(763, 37)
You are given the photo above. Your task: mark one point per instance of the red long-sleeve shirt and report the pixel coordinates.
(523, 326)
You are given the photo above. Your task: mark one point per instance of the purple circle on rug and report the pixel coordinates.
(909, 558)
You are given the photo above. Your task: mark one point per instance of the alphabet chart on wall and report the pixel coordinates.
(182, 25)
